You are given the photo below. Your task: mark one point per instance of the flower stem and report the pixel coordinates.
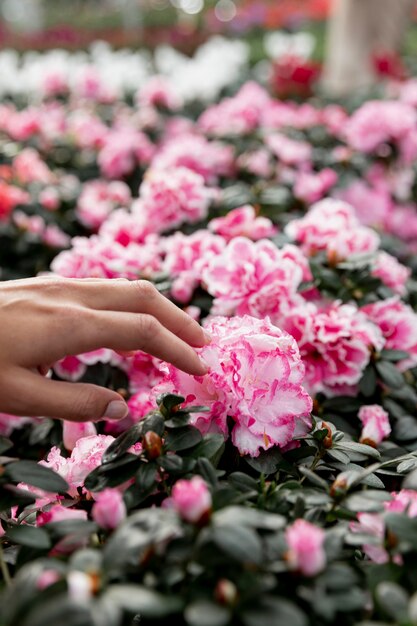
(4, 569)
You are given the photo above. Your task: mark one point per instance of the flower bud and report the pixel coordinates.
(328, 440)
(191, 499)
(109, 509)
(152, 444)
(305, 547)
(225, 592)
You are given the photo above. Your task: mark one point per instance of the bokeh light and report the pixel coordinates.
(225, 10)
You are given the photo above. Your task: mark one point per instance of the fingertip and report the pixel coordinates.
(116, 410)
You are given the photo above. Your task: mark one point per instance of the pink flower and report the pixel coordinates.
(405, 501)
(311, 187)
(376, 426)
(377, 122)
(398, 324)
(170, 198)
(238, 115)
(58, 513)
(372, 524)
(73, 431)
(191, 499)
(123, 149)
(159, 92)
(98, 199)
(255, 377)
(335, 344)
(100, 257)
(372, 205)
(331, 225)
(46, 578)
(289, 151)
(109, 509)
(391, 272)
(85, 457)
(50, 198)
(210, 159)
(257, 162)
(305, 547)
(9, 422)
(186, 258)
(243, 222)
(70, 368)
(29, 167)
(10, 197)
(253, 278)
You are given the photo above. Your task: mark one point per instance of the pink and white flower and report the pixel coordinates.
(243, 222)
(255, 377)
(109, 509)
(305, 548)
(191, 499)
(376, 425)
(335, 344)
(398, 324)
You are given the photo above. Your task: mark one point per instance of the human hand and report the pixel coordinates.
(44, 319)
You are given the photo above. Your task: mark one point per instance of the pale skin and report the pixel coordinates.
(43, 320)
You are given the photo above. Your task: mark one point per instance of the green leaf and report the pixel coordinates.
(267, 462)
(406, 466)
(172, 463)
(342, 404)
(368, 382)
(389, 374)
(274, 612)
(206, 613)
(167, 402)
(60, 610)
(367, 501)
(207, 471)
(182, 438)
(239, 542)
(114, 473)
(338, 455)
(243, 482)
(245, 516)
(146, 476)
(405, 428)
(12, 496)
(36, 475)
(393, 355)
(393, 600)
(5, 444)
(137, 599)
(122, 443)
(211, 447)
(352, 446)
(29, 536)
(153, 422)
(404, 527)
(314, 478)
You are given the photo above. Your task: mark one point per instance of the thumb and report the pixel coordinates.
(31, 394)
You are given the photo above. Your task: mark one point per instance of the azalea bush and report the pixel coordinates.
(280, 488)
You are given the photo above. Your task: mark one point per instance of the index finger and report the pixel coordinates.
(141, 296)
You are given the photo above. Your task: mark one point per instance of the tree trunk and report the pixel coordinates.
(356, 30)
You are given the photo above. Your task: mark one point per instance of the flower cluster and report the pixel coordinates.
(255, 378)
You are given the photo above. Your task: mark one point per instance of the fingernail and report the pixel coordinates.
(208, 337)
(116, 410)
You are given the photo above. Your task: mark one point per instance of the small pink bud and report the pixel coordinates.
(109, 509)
(191, 499)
